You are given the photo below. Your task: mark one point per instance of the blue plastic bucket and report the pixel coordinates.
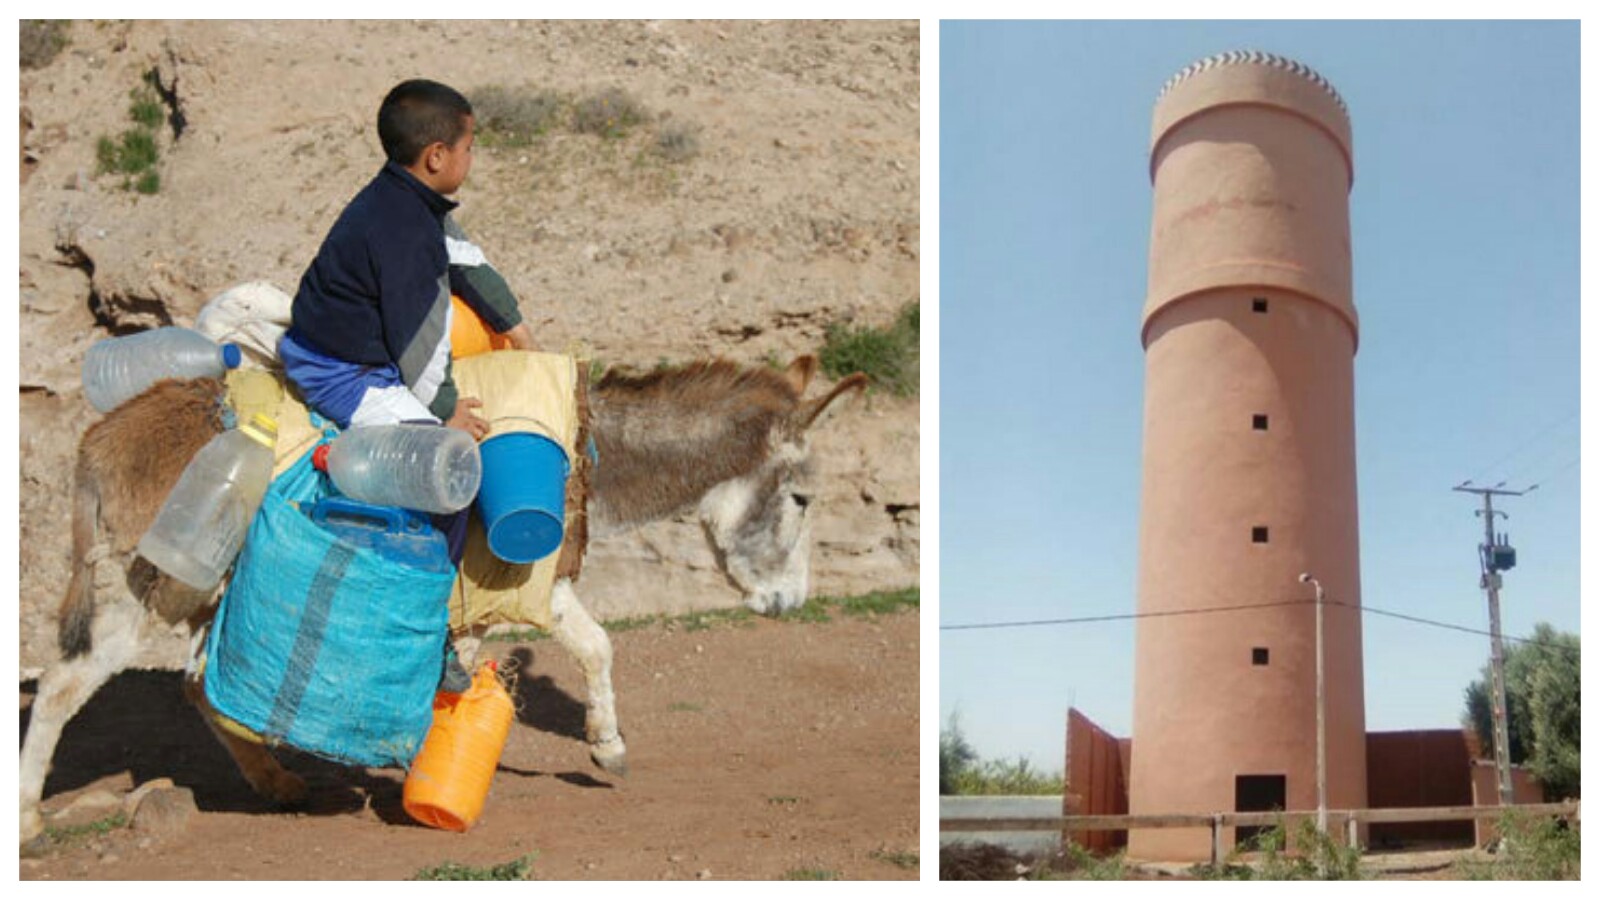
(523, 497)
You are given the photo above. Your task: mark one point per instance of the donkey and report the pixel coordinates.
(725, 439)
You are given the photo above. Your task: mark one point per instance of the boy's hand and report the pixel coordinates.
(521, 337)
(464, 418)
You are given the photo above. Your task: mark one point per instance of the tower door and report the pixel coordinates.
(1257, 793)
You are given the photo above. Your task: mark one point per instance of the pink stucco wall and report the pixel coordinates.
(1251, 171)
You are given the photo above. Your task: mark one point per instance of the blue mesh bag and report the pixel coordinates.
(323, 644)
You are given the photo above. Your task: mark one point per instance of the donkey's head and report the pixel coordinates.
(759, 523)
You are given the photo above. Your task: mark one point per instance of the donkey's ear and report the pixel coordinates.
(811, 410)
(800, 372)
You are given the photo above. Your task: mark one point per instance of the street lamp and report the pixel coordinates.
(1322, 726)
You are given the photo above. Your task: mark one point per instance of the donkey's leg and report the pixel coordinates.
(267, 776)
(63, 689)
(591, 646)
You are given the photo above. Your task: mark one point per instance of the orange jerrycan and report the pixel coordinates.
(449, 779)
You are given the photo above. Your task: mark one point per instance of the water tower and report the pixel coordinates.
(1249, 472)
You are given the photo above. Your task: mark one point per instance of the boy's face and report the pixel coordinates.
(448, 164)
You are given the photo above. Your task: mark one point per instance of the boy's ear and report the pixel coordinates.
(432, 156)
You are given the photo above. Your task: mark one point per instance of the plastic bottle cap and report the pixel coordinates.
(232, 356)
(319, 458)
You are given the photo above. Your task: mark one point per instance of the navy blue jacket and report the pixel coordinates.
(378, 291)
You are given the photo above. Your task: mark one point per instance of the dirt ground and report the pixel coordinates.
(757, 750)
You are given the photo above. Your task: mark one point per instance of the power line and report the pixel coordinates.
(1121, 617)
(1558, 471)
(1081, 620)
(1539, 435)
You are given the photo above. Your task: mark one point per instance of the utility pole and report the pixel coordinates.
(1495, 556)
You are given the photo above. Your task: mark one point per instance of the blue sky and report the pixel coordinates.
(1465, 234)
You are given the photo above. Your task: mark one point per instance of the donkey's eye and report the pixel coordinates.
(801, 500)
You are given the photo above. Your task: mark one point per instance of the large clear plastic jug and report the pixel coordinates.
(426, 467)
(203, 523)
(118, 369)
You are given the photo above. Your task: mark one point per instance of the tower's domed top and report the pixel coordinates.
(1258, 58)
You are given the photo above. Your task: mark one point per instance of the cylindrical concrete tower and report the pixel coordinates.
(1249, 453)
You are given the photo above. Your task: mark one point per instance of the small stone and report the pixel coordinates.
(729, 276)
(675, 858)
(130, 803)
(703, 874)
(165, 811)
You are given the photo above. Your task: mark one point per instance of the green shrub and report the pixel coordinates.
(612, 113)
(515, 116)
(135, 152)
(40, 41)
(1318, 857)
(887, 356)
(1532, 848)
(146, 108)
(519, 869)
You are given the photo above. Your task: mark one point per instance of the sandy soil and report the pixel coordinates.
(756, 751)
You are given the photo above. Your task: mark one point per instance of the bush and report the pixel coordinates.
(611, 113)
(516, 115)
(1532, 848)
(519, 869)
(1318, 857)
(888, 356)
(40, 41)
(135, 153)
(678, 143)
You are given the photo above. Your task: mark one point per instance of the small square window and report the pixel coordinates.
(1258, 534)
(1258, 422)
(1258, 656)
(1259, 305)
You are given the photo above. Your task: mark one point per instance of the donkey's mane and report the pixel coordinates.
(717, 380)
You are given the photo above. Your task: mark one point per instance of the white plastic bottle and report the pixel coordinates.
(117, 369)
(203, 523)
(425, 467)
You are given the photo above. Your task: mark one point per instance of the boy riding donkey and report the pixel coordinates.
(370, 340)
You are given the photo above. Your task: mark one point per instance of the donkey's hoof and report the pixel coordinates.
(611, 756)
(32, 829)
(284, 788)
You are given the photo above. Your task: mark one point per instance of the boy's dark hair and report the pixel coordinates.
(417, 113)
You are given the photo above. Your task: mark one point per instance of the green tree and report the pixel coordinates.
(955, 756)
(1543, 694)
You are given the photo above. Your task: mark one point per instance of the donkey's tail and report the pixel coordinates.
(77, 608)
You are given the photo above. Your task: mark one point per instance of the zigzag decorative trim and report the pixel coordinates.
(1255, 57)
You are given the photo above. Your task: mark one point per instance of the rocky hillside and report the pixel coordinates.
(768, 189)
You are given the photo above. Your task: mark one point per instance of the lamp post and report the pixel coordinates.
(1322, 725)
